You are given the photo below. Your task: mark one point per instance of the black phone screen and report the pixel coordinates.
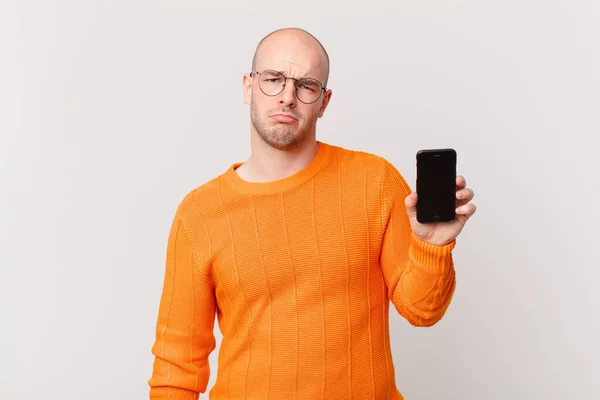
(436, 185)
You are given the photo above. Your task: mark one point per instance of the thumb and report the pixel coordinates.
(411, 205)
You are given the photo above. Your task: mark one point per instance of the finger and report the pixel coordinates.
(461, 182)
(467, 210)
(466, 194)
(411, 205)
(411, 200)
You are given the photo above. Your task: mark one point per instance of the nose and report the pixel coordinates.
(288, 94)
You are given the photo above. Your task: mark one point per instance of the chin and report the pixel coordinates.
(281, 136)
(282, 143)
(285, 140)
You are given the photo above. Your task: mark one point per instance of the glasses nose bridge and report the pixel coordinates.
(285, 79)
(294, 86)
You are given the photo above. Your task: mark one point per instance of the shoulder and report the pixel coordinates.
(352, 158)
(379, 171)
(199, 201)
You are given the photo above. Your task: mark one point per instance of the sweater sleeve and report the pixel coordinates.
(184, 330)
(420, 277)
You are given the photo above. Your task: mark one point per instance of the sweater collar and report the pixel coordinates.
(239, 185)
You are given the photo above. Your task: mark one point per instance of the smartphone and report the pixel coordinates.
(436, 185)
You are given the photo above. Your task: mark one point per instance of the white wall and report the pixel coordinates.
(111, 111)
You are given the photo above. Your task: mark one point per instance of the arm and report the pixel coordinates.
(420, 276)
(184, 330)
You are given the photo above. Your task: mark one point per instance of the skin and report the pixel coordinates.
(281, 148)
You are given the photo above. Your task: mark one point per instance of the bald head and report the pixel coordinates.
(299, 37)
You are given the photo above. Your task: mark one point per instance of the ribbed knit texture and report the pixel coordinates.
(299, 273)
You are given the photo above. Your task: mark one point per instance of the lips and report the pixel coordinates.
(284, 118)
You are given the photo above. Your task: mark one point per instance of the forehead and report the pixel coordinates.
(295, 57)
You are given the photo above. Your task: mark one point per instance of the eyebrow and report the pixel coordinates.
(302, 77)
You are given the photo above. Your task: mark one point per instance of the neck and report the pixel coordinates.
(267, 163)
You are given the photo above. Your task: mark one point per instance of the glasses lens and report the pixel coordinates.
(309, 90)
(271, 82)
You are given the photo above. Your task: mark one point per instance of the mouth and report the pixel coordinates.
(284, 118)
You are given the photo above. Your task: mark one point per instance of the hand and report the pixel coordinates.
(442, 233)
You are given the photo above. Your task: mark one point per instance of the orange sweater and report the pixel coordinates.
(299, 272)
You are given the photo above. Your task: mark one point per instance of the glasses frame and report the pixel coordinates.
(323, 89)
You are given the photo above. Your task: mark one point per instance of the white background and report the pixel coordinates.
(111, 111)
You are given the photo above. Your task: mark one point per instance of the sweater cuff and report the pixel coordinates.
(431, 255)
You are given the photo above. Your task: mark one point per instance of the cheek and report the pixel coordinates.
(261, 109)
(311, 112)
(262, 105)
(255, 105)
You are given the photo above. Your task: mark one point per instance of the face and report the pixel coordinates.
(282, 121)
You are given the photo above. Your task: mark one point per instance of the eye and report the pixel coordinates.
(308, 85)
(271, 77)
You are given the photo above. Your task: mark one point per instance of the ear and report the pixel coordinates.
(325, 103)
(247, 87)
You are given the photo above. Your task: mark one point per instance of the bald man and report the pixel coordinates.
(297, 253)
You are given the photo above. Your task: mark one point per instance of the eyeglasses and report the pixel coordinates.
(271, 83)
